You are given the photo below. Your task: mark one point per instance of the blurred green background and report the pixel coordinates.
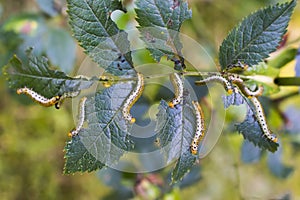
(32, 137)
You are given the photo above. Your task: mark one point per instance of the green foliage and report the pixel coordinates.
(175, 130)
(35, 73)
(78, 158)
(256, 36)
(250, 127)
(97, 33)
(159, 24)
(283, 58)
(105, 136)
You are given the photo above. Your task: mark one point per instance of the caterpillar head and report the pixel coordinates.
(194, 148)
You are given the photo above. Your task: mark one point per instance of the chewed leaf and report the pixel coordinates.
(183, 166)
(35, 73)
(256, 36)
(159, 23)
(105, 138)
(235, 99)
(93, 27)
(78, 159)
(250, 128)
(252, 131)
(175, 130)
(108, 136)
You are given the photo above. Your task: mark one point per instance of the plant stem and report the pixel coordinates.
(287, 81)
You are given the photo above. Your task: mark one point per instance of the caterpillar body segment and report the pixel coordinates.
(200, 128)
(133, 97)
(178, 88)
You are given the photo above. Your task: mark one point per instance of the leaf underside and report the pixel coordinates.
(175, 130)
(250, 128)
(256, 36)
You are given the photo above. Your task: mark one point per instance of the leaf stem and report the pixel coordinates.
(287, 81)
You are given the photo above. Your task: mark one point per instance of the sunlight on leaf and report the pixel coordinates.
(256, 36)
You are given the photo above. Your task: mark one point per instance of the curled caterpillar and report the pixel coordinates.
(262, 120)
(38, 98)
(217, 78)
(200, 128)
(133, 97)
(178, 86)
(81, 115)
(236, 79)
(64, 96)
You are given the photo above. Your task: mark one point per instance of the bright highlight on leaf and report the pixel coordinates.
(256, 36)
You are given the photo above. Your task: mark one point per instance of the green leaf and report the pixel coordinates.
(97, 33)
(159, 23)
(175, 131)
(234, 99)
(78, 159)
(107, 136)
(283, 58)
(35, 73)
(256, 36)
(252, 131)
(263, 74)
(250, 128)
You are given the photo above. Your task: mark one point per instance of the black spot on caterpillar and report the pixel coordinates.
(217, 78)
(259, 113)
(234, 78)
(64, 96)
(200, 128)
(38, 98)
(178, 87)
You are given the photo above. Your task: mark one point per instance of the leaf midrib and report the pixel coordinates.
(255, 38)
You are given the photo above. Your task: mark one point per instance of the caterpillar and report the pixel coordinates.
(178, 86)
(217, 78)
(38, 98)
(200, 128)
(133, 97)
(239, 66)
(234, 78)
(262, 120)
(64, 96)
(81, 115)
